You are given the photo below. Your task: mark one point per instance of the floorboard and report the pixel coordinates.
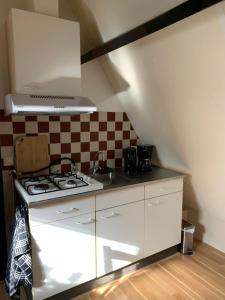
(200, 276)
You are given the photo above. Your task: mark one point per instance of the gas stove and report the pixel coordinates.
(35, 189)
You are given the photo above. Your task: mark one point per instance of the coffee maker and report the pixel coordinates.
(130, 159)
(144, 153)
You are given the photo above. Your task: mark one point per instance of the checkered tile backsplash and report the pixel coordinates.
(77, 137)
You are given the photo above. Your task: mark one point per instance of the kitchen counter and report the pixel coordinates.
(123, 180)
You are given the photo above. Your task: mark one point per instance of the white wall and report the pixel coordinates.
(176, 100)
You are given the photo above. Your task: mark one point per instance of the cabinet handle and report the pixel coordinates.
(155, 203)
(89, 221)
(112, 215)
(70, 210)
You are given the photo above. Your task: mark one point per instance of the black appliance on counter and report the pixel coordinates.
(130, 160)
(144, 153)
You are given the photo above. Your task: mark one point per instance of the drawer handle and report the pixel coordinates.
(112, 215)
(70, 210)
(155, 203)
(89, 221)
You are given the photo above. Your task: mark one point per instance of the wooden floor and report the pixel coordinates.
(199, 276)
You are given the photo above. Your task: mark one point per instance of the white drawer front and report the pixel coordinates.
(163, 187)
(115, 198)
(60, 209)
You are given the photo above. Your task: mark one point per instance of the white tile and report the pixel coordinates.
(43, 118)
(111, 163)
(55, 149)
(54, 127)
(102, 116)
(110, 145)
(6, 128)
(17, 136)
(118, 135)
(56, 169)
(94, 146)
(126, 143)
(85, 117)
(31, 127)
(119, 116)
(126, 125)
(118, 153)
(65, 137)
(85, 156)
(18, 118)
(75, 147)
(110, 126)
(7, 151)
(65, 118)
(133, 135)
(85, 136)
(63, 155)
(102, 136)
(78, 166)
(75, 126)
(94, 126)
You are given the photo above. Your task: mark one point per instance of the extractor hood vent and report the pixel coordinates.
(51, 105)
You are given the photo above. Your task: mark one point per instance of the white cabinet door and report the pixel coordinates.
(44, 54)
(163, 217)
(119, 236)
(63, 255)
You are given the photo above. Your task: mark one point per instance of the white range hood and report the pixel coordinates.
(45, 68)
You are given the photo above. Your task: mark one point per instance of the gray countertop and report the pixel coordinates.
(123, 180)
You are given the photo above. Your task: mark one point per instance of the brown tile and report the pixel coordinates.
(85, 166)
(110, 135)
(126, 135)
(85, 147)
(119, 126)
(118, 144)
(54, 118)
(93, 155)
(76, 157)
(54, 138)
(125, 117)
(94, 136)
(110, 154)
(6, 140)
(111, 116)
(75, 118)
(102, 145)
(65, 126)
(118, 163)
(31, 118)
(65, 148)
(18, 127)
(65, 168)
(94, 117)
(4, 118)
(85, 126)
(102, 126)
(75, 137)
(54, 157)
(133, 142)
(43, 126)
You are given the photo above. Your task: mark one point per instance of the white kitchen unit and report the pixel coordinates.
(119, 236)
(35, 39)
(163, 215)
(63, 252)
(75, 240)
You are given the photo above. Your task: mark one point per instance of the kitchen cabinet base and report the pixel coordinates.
(87, 286)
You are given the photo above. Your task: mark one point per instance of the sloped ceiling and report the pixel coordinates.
(106, 19)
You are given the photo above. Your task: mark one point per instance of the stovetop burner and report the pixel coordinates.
(35, 189)
(41, 186)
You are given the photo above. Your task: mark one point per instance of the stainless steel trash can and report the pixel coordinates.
(188, 230)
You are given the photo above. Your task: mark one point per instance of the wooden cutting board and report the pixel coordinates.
(32, 153)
